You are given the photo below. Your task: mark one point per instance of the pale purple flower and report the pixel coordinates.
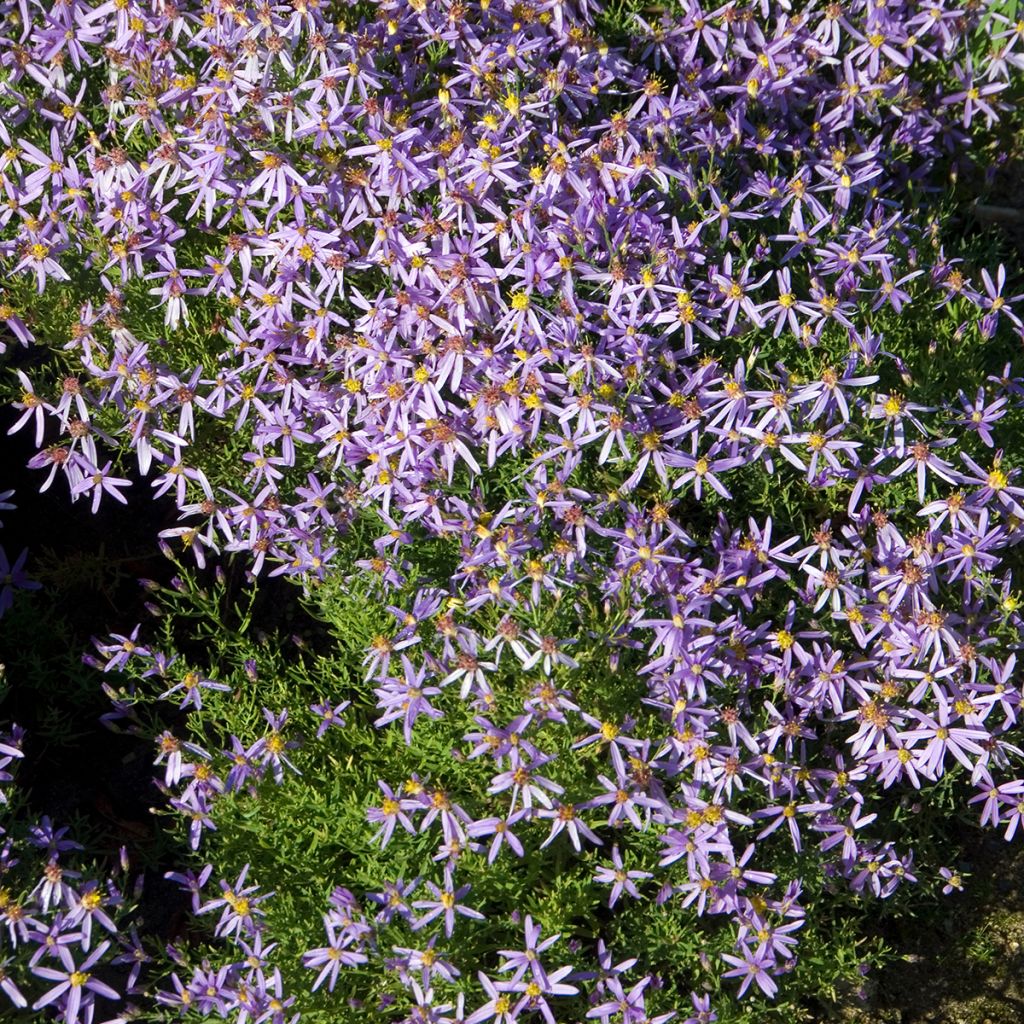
(75, 986)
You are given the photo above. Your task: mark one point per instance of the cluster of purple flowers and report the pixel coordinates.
(525, 985)
(249, 988)
(409, 281)
(766, 724)
(461, 242)
(60, 930)
(192, 777)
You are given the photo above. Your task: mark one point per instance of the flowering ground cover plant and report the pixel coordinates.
(624, 395)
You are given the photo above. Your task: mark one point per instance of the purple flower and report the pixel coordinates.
(100, 482)
(954, 881)
(88, 906)
(387, 815)
(620, 879)
(500, 829)
(702, 1012)
(943, 738)
(406, 699)
(8, 986)
(239, 906)
(563, 818)
(535, 993)
(752, 967)
(527, 960)
(445, 903)
(499, 1008)
(192, 684)
(329, 716)
(270, 749)
(981, 415)
(489, 331)
(195, 807)
(192, 883)
(75, 987)
(531, 788)
(332, 957)
(33, 409)
(39, 259)
(631, 1004)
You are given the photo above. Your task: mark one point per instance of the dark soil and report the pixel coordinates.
(963, 961)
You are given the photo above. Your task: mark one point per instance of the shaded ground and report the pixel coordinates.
(962, 962)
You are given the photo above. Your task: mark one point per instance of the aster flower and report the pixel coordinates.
(38, 258)
(942, 739)
(922, 458)
(387, 815)
(211, 991)
(270, 749)
(445, 902)
(752, 966)
(547, 653)
(394, 900)
(99, 482)
(8, 986)
(525, 784)
(170, 752)
(980, 415)
(192, 883)
(701, 470)
(787, 814)
(33, 409)
(972, 96)
(736, 291)
(10, 750)
(499, 1008)
(954, 881)
(406, 699)
(527, 960)
(1014, 814)
(500, 829)
(192, 684)
(621, 796)
(428, 962)
(702, 1012)
(332, 957)
(839, 832)
(621, 880)
(75, 986)
(564, 818)
(195, 807)
(535, 994)
(329, 716)
(993, 483)
(88, 905)
(996, 303)
(180, 998)
(469, 670)
(538, 322)
(239, 906)
(631, 1004)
